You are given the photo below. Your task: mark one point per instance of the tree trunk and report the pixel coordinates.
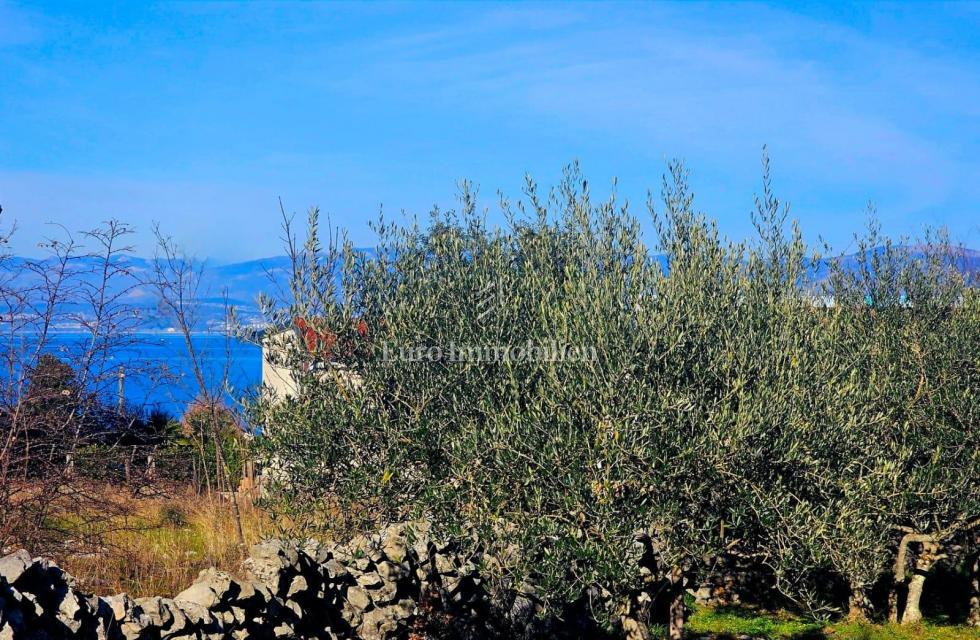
(204, 464)
(222, 470)
(635, 629)
(974, 617)
(675, 622)
(893, 603)
(857, 604)
(238, 521)
(928, 555)
(912, 614)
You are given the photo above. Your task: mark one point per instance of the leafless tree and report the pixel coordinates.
(177, 279)
(53, 390)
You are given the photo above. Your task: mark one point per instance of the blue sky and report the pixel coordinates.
(201, 115)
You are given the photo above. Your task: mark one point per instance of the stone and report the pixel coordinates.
(211, 588)
(418, 534)
(11, 614)
(156, 612)
(295, 607)
(70, 611)
(451, 583)
(318, 552)
(522, 609)
(404, 609)
(247, 591)
(359, 545)
(294, 590)
(49, 573)
(131, 630)
(334, 569)
(389, 571)
(297, 586)
(394, 542)
(351, 616)
(238, 614)
(30, 604)
(268, 561)
(384, 594)
(358, 598)
(195, 614)
(369, 580)
(255, 593)
(378, 624)
(179, 623)
(14, 565)
(444, 564)
(119, 605)
(634, 630)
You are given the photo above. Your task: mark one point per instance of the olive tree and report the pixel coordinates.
(604, 417)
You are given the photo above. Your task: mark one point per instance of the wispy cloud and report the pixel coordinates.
(350, 106)
(840, 106)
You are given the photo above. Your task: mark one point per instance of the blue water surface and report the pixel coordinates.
(157, 368)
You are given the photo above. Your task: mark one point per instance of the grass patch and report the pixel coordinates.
(159, 545)
(735, 622)
(924, 631)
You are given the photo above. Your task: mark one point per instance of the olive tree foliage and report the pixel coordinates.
(558, 391)
(915, 321)
(873, 427)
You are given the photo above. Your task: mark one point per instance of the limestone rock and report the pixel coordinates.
(270, 562)
(14, 565)
(358, 598)
(211, 588)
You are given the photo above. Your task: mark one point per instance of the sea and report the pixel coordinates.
(157, 371)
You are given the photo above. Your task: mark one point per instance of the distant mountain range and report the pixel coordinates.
(244, 281)
(241, 282)
(966, 260)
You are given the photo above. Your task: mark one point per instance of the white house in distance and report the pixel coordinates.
(280, 380)
(275, 376)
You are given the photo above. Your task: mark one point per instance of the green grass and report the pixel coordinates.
(925, 631)
(733, 622)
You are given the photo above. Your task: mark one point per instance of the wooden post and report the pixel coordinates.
(151, 465)
(122, 387)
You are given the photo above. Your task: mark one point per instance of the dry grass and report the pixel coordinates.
(160, 544)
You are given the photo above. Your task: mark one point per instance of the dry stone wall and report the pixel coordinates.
(398, 583)
(370, 588)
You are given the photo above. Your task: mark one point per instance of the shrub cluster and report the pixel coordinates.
(559, 390)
